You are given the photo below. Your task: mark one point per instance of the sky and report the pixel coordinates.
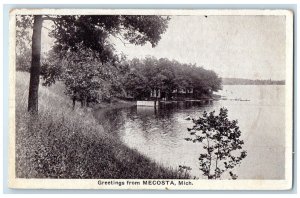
(250, 47)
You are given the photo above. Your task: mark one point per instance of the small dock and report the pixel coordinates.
(146, 103)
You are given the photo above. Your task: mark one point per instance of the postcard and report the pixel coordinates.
(172, 99)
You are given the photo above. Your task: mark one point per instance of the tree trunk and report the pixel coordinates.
(74, 99)
(35, 65)
(74, 102)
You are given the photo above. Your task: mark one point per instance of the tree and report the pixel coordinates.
(167, 70)
(86, 79)
(93, 32)
(221, 142)
(35, 65)
(136, 85)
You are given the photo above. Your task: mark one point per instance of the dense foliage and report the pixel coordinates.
(86, 78)
(89, 80)
(221, 142)
(74, 33)
(151, 73)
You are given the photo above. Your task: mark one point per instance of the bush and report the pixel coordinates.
(221, 142)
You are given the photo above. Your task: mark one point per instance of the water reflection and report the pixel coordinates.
(159, 132)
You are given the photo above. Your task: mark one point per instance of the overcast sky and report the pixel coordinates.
(233, 46)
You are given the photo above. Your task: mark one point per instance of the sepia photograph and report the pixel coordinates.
(151, 99)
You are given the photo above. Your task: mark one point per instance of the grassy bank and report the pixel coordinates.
(66, 143)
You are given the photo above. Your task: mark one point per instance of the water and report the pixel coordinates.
(159, 134)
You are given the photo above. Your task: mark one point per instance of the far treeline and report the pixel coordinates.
(242, 81)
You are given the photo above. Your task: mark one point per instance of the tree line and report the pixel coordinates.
(167, 75)
(84, 58)
(87, 79)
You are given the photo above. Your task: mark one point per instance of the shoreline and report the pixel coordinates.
(69, 144)
(113, 105)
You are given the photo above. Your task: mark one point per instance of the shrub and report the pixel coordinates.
(221, 142)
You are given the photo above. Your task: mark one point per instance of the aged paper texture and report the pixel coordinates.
(151, 99)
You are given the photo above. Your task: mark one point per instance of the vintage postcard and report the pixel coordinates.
(151, 99)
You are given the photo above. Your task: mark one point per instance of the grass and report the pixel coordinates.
(66, 143)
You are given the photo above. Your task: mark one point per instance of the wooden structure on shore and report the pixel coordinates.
(148, 103)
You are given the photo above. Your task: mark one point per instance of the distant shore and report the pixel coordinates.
(242, 81)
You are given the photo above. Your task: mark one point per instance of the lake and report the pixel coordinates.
(159, 133)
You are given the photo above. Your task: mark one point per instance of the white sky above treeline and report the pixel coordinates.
(250, 47)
